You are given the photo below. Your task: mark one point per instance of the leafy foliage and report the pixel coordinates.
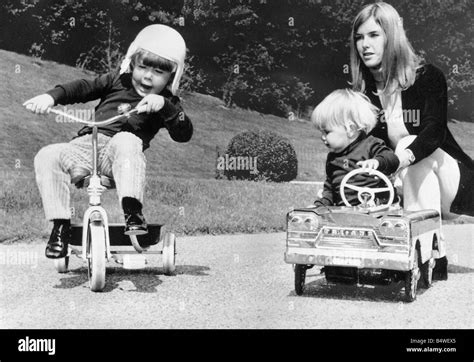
(274, 56)
(273, 155)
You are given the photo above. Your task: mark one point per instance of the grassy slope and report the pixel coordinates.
(24, 133)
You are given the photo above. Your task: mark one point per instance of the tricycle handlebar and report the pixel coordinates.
(92, 123)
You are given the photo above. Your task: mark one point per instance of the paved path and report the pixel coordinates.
(231, 281)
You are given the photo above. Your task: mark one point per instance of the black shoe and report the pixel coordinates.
(440, 271)
(135, 224)
(59, 240)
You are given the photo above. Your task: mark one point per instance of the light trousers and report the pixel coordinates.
(56, 165)
(431, 183)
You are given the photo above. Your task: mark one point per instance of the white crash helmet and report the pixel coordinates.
(163, 41)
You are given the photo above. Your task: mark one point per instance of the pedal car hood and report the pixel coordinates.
(344, 216)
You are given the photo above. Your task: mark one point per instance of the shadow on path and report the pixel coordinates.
(143, 280)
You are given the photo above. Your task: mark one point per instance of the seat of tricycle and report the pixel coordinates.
(118, 238)
(84, 181)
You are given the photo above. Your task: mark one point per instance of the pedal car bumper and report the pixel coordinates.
(350, 258)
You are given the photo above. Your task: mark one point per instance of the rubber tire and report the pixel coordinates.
(61, 265)
(97, 257)
(411, 280)
(169, 253)
(300, 278)
(427, 273)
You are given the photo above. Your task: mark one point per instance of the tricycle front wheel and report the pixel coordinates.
(97, 257)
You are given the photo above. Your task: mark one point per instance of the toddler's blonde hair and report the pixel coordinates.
(344, 107)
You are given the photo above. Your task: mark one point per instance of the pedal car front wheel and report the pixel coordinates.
(411, 280)
(169, 251)
(300, 278)
(96, 259)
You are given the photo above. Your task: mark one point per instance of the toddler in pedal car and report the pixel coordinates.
(345, 119)
(148, 79)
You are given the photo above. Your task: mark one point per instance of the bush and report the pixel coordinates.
(259, 156)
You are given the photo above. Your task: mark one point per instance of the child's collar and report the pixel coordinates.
(362, 135)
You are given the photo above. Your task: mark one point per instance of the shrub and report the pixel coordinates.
(259, 156)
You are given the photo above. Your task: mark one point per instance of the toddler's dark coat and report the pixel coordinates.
(340, 164)
(114, 89)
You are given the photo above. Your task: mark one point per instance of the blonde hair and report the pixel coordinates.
(399, 61)
(344, 107)
(150, 59)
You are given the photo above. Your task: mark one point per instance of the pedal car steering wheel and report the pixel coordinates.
(366, 195)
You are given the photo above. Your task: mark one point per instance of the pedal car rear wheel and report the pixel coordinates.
(300, 278)
(97, 256)
(62, 264)
(169, 249)
(426, 270)
(411, 280)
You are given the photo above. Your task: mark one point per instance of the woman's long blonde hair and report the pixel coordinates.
(399, 61)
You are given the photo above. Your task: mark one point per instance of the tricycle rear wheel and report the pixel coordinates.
(62, 264)
(169, 251)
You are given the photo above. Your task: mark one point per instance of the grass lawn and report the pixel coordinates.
(186, 207)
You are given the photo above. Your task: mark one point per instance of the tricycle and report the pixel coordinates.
(97, 241)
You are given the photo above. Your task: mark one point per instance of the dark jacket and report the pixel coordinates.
(427, 97)
(340, 164)
(113, 90)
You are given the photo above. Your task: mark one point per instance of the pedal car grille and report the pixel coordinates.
(335, 237)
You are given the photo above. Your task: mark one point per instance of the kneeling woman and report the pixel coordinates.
(436, 173)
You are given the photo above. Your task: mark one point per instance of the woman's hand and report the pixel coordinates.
(372, 163)
(39, 104)
(405, 157)
(151, 103)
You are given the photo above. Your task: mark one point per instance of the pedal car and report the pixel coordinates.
(366, 244)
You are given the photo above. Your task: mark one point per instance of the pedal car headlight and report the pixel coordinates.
(386, 224)
(302, 222)
(394, 228)
(401, 225)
